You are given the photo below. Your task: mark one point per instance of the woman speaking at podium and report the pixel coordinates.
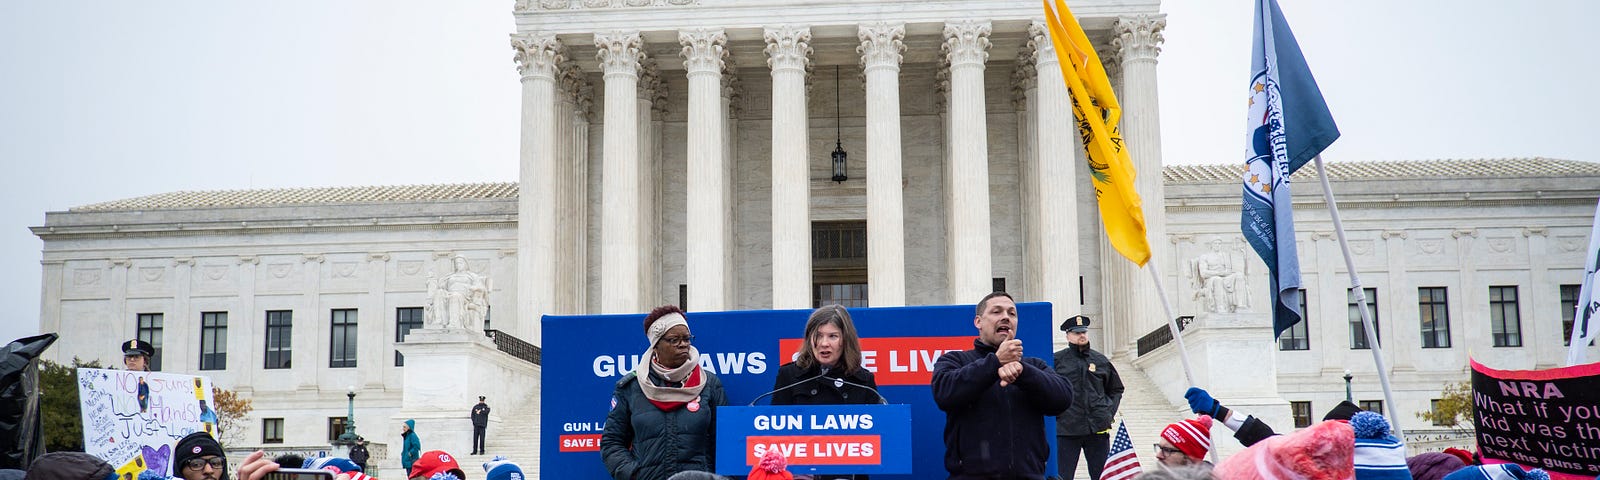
(827, 370)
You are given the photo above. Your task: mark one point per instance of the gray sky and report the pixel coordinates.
(103, 100)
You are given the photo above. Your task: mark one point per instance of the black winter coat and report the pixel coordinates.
(823, 391)
(1097, 391)
(994, 432)
(642, 442)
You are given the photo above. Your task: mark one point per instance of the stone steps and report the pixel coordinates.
(1146, 413)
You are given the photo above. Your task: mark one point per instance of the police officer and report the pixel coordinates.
(136, 355)
(1086, 425)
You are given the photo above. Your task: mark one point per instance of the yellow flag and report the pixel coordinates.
(1094, 106)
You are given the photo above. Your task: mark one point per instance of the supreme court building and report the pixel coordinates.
(683, 151)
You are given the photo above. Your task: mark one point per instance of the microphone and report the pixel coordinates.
(881, 400)
(789, 386)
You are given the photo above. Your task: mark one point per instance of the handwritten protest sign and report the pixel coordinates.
(1546, 419)
(131, 419)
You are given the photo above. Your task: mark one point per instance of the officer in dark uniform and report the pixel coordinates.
(1086, 425)
(136, 355)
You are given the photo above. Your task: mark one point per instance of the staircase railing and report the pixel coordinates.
(514, 346)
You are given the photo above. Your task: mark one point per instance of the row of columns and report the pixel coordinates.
(554, 171)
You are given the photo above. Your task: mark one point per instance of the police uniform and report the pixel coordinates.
(1086, 425)
(136, 347)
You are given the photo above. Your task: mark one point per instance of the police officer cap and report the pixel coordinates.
(1078, 323)
(138, 347)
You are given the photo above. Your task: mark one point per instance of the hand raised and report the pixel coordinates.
(256, 466)
(1010, 351)
(1009, 373)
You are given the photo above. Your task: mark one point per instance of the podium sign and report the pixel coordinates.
(816, 439)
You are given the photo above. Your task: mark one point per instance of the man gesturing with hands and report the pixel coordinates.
(995, 400)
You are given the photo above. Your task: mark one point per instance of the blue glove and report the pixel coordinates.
(1200, 401)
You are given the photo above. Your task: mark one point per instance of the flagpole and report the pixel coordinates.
(1177, 336)
(1361, 302)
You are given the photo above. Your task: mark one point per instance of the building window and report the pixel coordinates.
(1569, 311)
(1302, 413)
(1358, 332)
(1503, 318)
(839, 263)
(1433, 310)
(342, 340)
(1298, 336)
(1433, 407)
(279, 330)
(1374, 406)
(271, 430)
(336, 427)
(405, 319)
(214, 340)
(150, 331)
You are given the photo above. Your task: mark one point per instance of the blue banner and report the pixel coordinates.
(816, 439)
(584, 356)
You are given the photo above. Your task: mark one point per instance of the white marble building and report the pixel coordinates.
(678, 152)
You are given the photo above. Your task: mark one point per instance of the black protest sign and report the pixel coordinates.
(1546, 419)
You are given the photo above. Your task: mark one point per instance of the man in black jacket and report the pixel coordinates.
(1086, 425)
(480, 424)
(995, 400)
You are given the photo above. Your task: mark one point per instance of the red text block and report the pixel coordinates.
(894, 360)
(580, 443)
(817, 449)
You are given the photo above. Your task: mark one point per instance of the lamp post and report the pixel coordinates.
(348, 438)
(1347, 396)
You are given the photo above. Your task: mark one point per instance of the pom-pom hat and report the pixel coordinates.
(1378, 454)
(1193, 436)
(773, 466)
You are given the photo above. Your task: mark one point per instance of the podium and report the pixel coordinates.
(816, 439)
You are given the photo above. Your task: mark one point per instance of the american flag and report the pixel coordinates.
(1122, 464)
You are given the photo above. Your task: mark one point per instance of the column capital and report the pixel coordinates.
(649, 79)
(1044, 51)
(788, 47)
(1111, 59)
(966, 42)
(732, 88)
(1023, 78)
(537, 54)
(658, 104)
(1139, 37)
(881, 44)
(704, 49)
(941, 84)
(619, 52)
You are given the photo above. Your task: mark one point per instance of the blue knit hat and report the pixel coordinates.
(1378, 454)
(1504, 471)
(501, 469)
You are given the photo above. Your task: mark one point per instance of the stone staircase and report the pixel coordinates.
(516, 437)
(1146, 413)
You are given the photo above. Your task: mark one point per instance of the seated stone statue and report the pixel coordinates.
(1219, 280)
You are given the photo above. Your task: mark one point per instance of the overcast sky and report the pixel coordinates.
(103, 100)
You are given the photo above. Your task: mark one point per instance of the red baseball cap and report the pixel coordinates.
(436, 461)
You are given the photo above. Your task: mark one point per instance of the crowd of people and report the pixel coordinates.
(996, 400)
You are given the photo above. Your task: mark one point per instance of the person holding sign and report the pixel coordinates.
(662, 418)
(827, 370)
(995, 400)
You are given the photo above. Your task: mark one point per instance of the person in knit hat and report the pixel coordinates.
(1379, 455)
(1324, 451)
(435, 462)
(1467, 458)
(1185, 443)
(773, 466)
(1433, 465)
(1503, 471)
(1247, 428)
(500, 468)
(199, 457)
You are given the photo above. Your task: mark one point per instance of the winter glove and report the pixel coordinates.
(1200, 401)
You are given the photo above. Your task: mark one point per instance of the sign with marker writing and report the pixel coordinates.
(132, 419)
(1547, 419)
(816, 439)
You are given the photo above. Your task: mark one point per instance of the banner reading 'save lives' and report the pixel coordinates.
(1546, 419)
(584, 356)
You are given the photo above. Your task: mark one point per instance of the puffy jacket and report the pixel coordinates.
(1096, 388)
(412, 449)
(823, 390)
(992, 431)
(643, 442)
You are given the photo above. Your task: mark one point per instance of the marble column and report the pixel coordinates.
(1024, 98)
(966, 45)
(619, 54)
(788, 54)
(1132, 306)
(658, 115)
(706, 232)
(570, 208)
(1054, 181)
(580, 251)
(881, 47)
(732, 103)
(649, 82)
(537, 56)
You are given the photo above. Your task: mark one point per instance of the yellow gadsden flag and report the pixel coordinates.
(1095, 108)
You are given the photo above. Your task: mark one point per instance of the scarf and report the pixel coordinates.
(688, 375)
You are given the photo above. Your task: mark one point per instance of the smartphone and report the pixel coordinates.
(300, 474)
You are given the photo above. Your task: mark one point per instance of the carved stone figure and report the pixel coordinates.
(1218, 277)
(458, 300)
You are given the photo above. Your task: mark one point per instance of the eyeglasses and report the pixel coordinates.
(200, 463)
(675, 341)
(1168, 451)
